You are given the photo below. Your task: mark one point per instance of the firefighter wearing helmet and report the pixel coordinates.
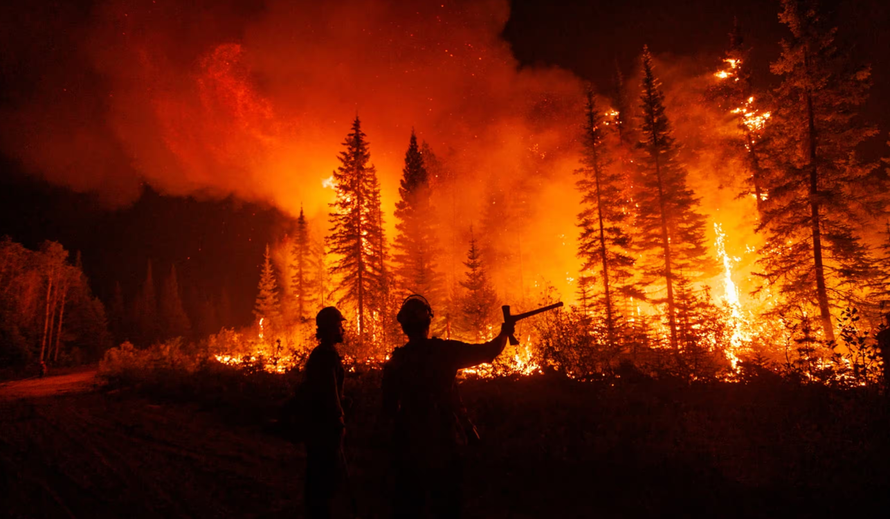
(322, 394)
(421, 399)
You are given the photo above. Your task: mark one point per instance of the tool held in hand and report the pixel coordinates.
(518, 317)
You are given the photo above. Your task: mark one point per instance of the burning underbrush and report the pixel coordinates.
(565, 343)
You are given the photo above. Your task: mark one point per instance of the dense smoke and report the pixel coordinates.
(217, 101)
(213, 100)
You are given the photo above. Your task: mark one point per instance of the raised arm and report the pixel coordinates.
(469, 355)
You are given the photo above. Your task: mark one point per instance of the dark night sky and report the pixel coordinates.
(584, 37)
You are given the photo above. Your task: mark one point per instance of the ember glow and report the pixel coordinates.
(256, 105)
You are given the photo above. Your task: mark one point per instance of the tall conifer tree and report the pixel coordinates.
(670, 232)
(478, 307)
(147, 309)
(175, 321)
(816, 256)
(734, 94)
(117, 317)
(415, 244)
(266, 306)
(302, 254)
(604, 240)
(356, 235)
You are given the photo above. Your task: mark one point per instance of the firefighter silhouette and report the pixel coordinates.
(421, 399)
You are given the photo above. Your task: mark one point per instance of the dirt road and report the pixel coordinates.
(75, 382)
(67, 450)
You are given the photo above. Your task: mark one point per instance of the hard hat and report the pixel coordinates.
(328, 316)
(415, 309)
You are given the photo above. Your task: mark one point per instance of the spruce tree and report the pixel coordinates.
(620, 115)
(604, 240)
(302, 281)
(415, 247)
(266, 306)
(175, 321)
(224, 309)
(670, 232)
(734, 94)
(147, 309)
(479, 304)
(118, 319)
(356, 234)
(814, 253)
(208, 317)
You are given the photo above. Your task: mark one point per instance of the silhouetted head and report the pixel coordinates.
(329, 325)
(415, 317)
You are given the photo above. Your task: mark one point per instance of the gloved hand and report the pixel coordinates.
(508, 329)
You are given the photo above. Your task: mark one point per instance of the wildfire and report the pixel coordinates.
(751, 118)
(519, 362)
(737, 321)
(731, 70)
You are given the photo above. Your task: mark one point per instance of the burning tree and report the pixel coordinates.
(604, 239)
(356, 235)
(669, 231)
(416, 244)
(817, 256)
(734, 93)
(266, 307)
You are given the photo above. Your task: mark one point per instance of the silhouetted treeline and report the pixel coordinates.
(167, 308)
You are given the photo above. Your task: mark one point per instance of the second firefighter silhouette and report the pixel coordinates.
(420, 396)
(322, 392)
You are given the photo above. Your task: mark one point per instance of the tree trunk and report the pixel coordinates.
(610, 323)
(821, 292)
(361, 262)
(61, 315)
(49, 286)
(666, 245)
(755, 175)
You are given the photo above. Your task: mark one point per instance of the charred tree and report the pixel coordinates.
(356, 234)
(669, 230)
(815, 254)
